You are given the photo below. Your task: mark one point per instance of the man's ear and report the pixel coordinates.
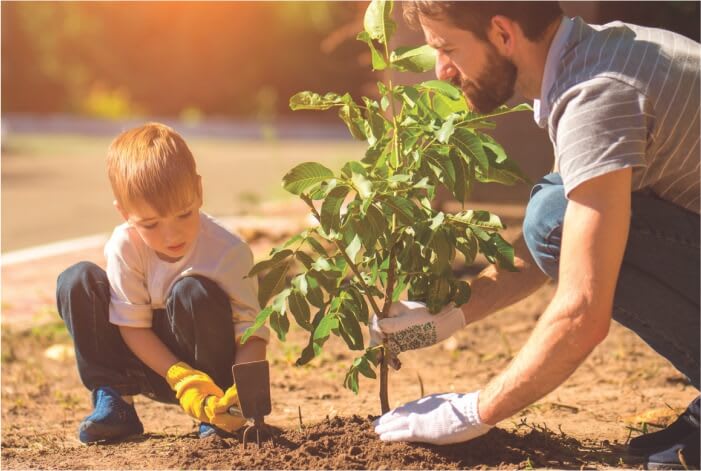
(120, 210)
(503, 33)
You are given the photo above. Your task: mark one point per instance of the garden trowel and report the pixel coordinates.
(253, 386)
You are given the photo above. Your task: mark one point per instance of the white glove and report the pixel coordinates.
(410, 326)
(439, 419)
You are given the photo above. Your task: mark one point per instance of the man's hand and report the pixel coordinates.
(410, 326)
(202, 399)
(439, 419)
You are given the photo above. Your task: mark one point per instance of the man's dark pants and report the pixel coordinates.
(657, 295)
(196, 325)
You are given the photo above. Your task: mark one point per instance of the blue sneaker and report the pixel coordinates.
(207, 430)
(112, 418)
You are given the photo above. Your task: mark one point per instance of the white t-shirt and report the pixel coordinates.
(141, 282)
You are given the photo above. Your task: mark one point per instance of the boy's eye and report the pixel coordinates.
(149, 226)
(185, 215)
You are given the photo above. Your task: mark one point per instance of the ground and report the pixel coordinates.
(621, 390)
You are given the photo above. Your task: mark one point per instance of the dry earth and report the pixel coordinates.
(622, 389)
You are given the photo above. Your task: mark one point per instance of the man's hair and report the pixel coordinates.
(532, 17)
(152, 164)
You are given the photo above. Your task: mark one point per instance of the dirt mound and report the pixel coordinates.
(350, 443)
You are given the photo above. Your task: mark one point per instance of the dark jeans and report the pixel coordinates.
(196, 326)
(657, 295)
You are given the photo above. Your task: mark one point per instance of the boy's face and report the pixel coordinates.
(169, 235)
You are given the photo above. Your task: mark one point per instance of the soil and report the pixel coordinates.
(621, 390)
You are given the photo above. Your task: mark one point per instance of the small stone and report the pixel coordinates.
(355, 450)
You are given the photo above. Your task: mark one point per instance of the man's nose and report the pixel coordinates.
(445, 69)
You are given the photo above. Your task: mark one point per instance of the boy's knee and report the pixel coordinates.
(80, 278)
(202, 296)
(542, 225)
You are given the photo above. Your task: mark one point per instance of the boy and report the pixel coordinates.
(166, 317)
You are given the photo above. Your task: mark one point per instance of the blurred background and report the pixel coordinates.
(75, 74)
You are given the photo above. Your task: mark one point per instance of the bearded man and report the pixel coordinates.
(616, 225)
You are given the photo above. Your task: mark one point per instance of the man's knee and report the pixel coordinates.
(542, 225)
(201, 297)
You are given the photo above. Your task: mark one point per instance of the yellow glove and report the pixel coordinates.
(225, 410)
(198, 396)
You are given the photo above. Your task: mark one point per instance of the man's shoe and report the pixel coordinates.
(685, 424)
(681, 455)
(112, 418)
(207, 430)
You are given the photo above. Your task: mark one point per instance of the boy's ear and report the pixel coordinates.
(120, 210)
(199, 189)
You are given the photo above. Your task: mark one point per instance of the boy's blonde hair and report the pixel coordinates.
(153, 164)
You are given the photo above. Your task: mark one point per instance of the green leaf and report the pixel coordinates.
(462, 292)
(470, 145)
(299, 282)
(462, 182)
(351, 380)
(438, 293)
(468, 246)
(317, 246)
(405, 210)
(350, 329)
(331, 207)
(362, 185)
(272, 283)
(501, 169)
(314, 101)
(443, 250)
(483, 219)
(444, 88)
(413, 59)
(305, 259)
(378, 61)
(446, 130)
(277, 259)
(329, 322)
(350, 114)
(257, 324)
(280, 324)
(378, 20)
(353, 248)
(299, 309)
(314, 294)
(445, 106)
(304, 176)
(362, 312)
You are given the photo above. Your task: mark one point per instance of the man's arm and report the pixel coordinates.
(578, 318)
(496, 288)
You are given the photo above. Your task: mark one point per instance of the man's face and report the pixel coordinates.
(486, 78)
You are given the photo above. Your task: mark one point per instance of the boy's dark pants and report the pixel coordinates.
(196, 326)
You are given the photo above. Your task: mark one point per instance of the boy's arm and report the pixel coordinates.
(252, 350)
(148, 348)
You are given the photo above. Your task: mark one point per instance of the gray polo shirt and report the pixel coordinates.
(618, 96)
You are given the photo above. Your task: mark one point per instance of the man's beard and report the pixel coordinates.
(493, 87)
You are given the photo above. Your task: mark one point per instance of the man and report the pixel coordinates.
(617, 226)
